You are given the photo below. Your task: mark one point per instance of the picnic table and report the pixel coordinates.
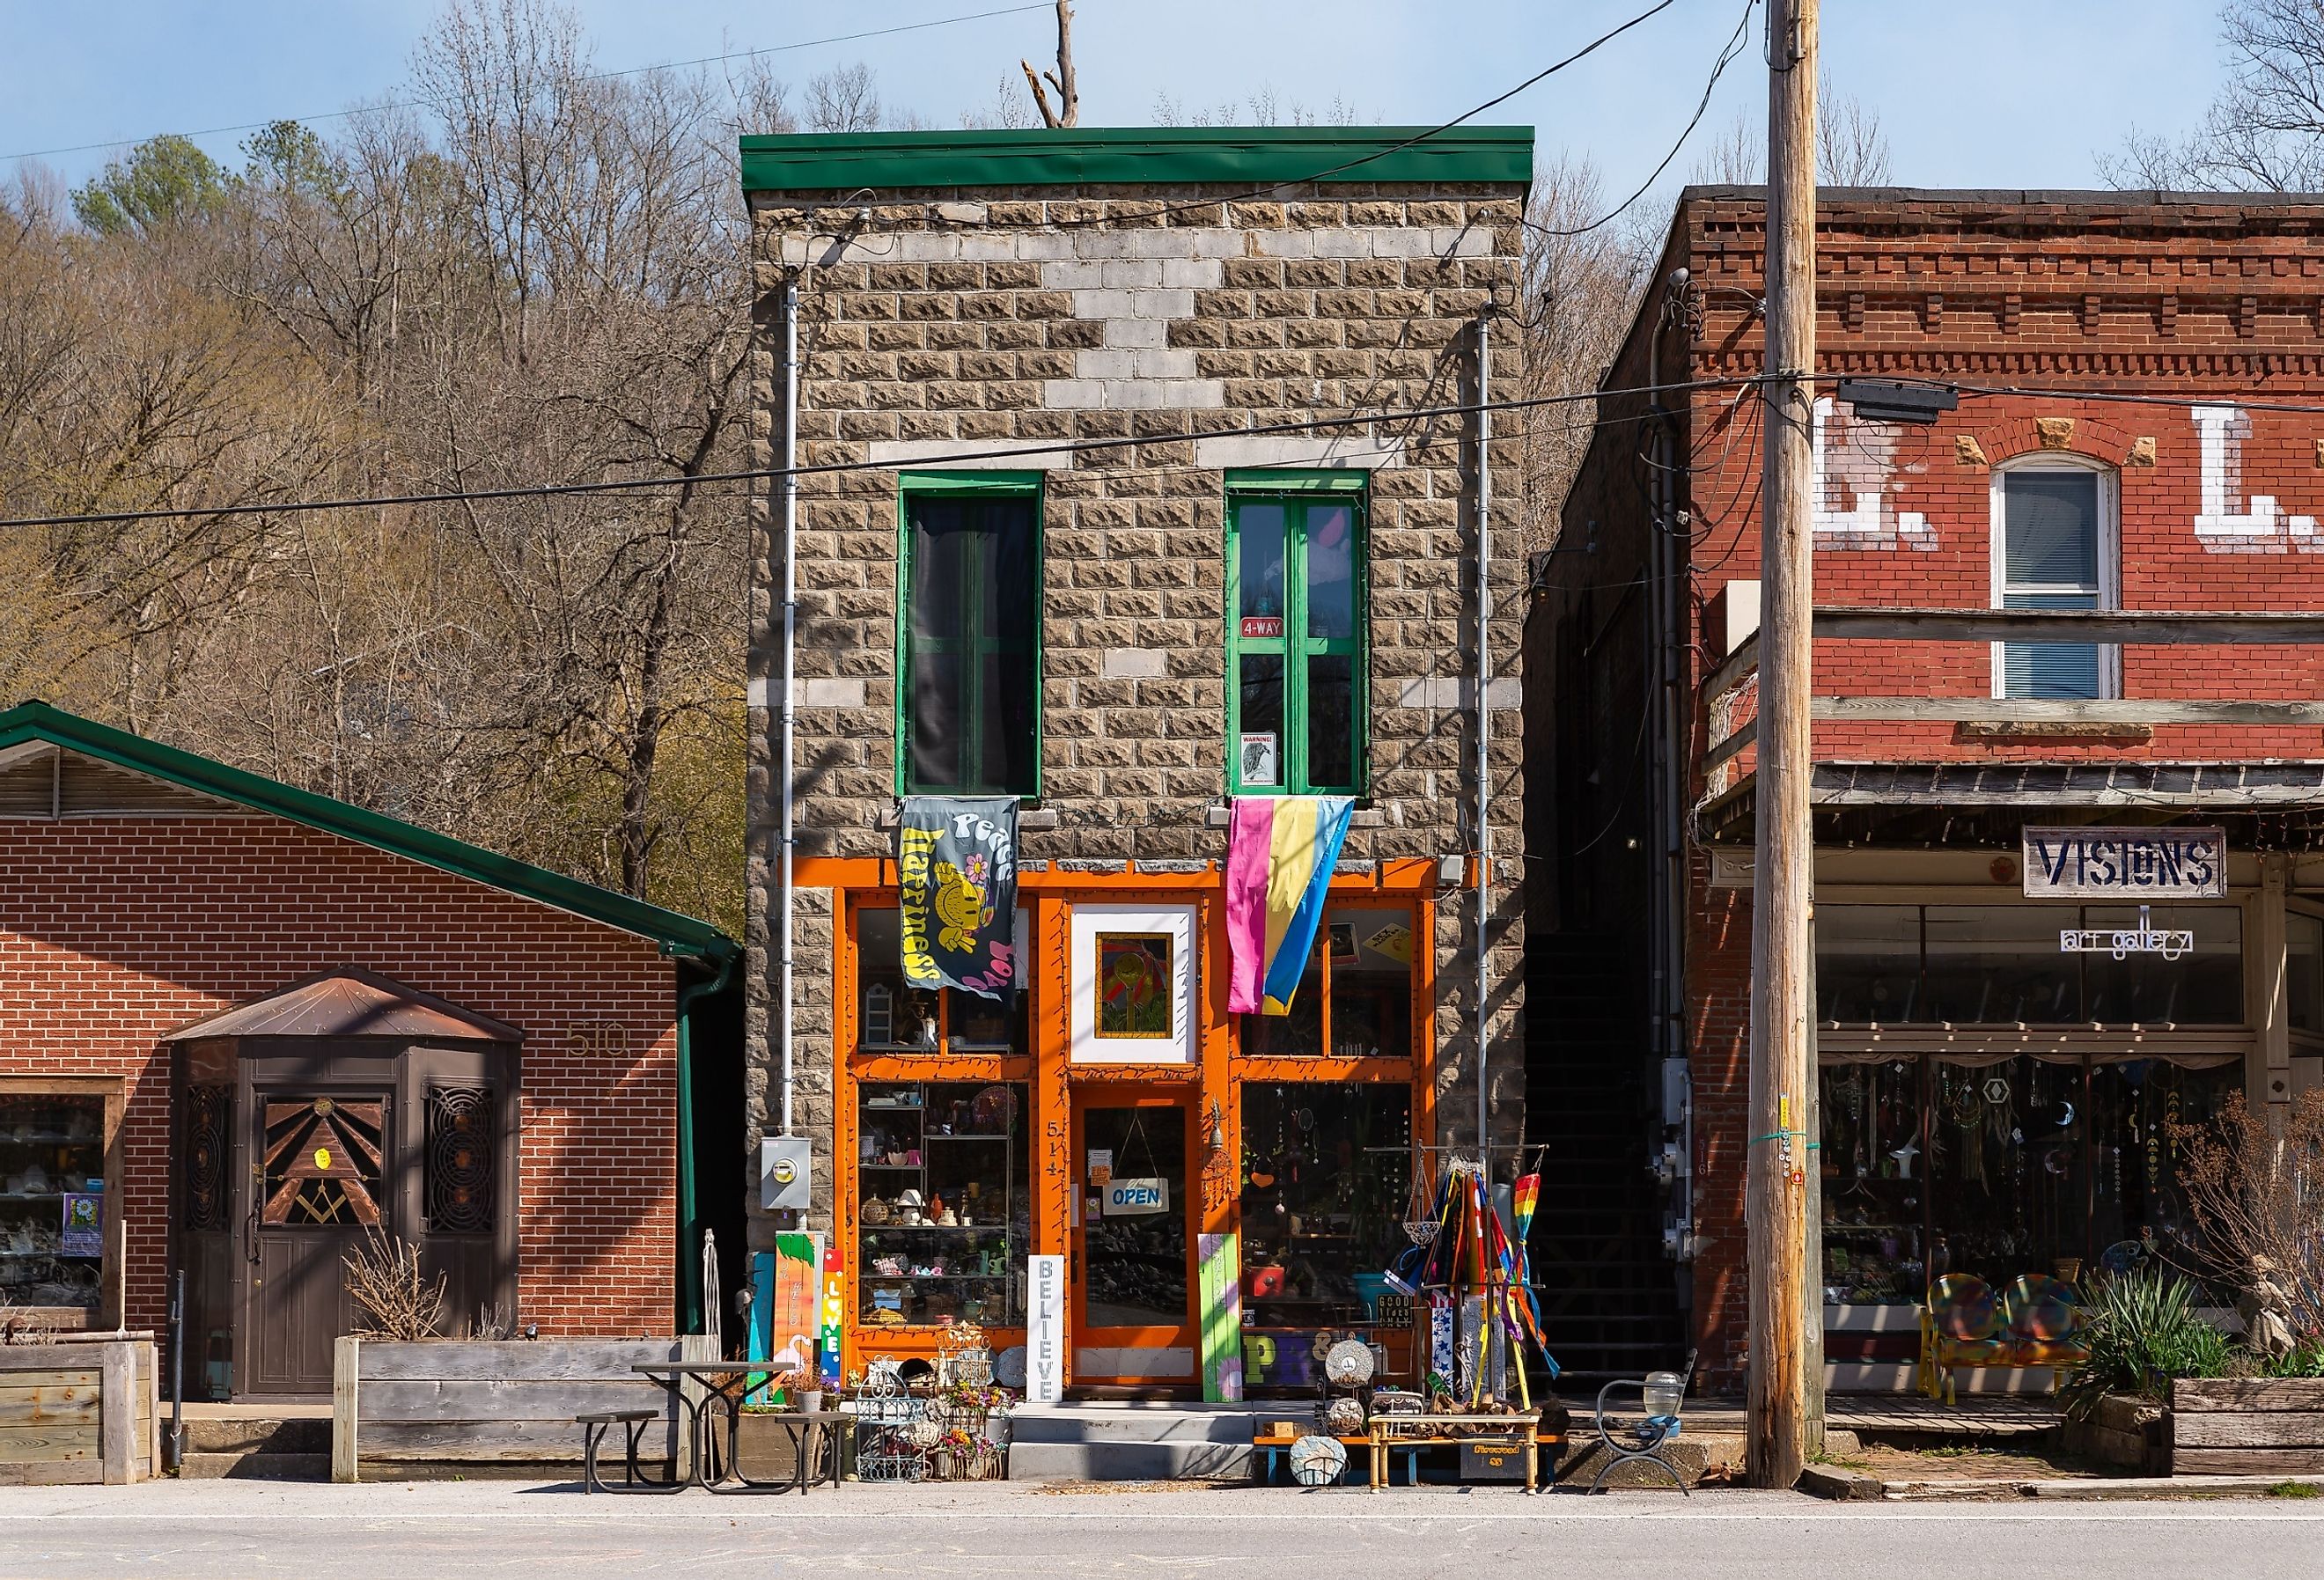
(724, 1384)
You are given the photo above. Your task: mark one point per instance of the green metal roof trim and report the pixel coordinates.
(676, 934)
(1135, 155)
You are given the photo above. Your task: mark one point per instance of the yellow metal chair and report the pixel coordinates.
(1961, 1326)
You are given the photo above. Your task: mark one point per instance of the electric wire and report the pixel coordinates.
(1591, 48)
(1727, 54)
(1017, 450)
(845, 38)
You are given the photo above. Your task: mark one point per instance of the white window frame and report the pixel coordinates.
(2110, 551)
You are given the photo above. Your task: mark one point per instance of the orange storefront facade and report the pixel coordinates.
(1223, 1189)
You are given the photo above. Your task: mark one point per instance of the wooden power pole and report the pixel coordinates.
(1782, 952)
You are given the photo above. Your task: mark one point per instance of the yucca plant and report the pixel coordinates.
(2142, 1329)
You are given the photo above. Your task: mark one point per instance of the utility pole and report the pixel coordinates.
(1782, 954)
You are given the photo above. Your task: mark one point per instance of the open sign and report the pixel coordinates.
(1130, 1199)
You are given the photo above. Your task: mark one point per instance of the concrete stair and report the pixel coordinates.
(1136, 1440)
(283, 1443)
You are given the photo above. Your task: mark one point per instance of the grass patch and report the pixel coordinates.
(2295, 1490)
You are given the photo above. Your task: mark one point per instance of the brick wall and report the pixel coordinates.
(2091, 295)
(115, 930)
(971, 321)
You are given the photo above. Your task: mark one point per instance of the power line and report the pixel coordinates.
(1468, 114)
(877, 32)
(1727, 54)
(1017, 451)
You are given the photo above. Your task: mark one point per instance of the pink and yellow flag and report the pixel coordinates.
(1279, 862)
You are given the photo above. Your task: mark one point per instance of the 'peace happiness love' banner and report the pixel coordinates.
(956, 861)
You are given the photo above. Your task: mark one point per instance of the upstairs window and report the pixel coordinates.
(1296, 615)
(2053, 549)
(968, 638)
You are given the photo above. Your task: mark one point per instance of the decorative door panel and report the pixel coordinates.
(319, 1186)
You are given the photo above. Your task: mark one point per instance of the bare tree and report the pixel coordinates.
(845, 98)
(1580, 292)
(1852, 150)
(2264, 131)
(1068, 110)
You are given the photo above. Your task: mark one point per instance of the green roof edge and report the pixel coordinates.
(676, 934)
(1136, 155)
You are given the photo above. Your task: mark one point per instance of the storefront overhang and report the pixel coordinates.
(1924, 804)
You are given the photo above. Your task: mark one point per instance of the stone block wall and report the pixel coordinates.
(1170, 329)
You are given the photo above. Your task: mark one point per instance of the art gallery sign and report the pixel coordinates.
(2132, 864)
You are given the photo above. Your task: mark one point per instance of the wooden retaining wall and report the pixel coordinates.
(2247, 1426)
(507, 1401)
(79, 1411)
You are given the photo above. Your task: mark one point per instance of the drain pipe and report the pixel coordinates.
(1484, 715)
(791, 684)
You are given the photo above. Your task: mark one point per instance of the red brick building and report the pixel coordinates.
(2135, 427)
(240, 1025)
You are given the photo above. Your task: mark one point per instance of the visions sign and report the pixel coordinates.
(2126, 864)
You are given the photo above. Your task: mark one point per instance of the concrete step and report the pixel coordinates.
(240, 1434)
(264, 1467)
(1135, 1440)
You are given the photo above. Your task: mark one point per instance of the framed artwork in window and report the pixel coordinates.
(1133, 983)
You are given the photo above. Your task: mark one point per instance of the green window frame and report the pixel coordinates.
(974, 710)
(1297, 529)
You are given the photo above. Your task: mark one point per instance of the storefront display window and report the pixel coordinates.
(2304, 971)
(2000, 1167)
(2001, 964)
(944, 1206)
(55, 1212)
(1326, 1169)
(1354, 999)
(894, 1017)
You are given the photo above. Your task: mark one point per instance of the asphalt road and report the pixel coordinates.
(242, 1530)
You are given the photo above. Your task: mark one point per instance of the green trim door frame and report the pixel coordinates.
(1296, 492)
(951, 485)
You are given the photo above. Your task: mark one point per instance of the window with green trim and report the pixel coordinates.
(968, 636)
(1296, 616)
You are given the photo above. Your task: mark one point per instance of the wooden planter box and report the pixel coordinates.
(78, 1411)
(2125, 1432)
(2246, 1425)
(494, 1402)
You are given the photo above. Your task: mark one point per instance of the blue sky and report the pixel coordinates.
(1980, 93)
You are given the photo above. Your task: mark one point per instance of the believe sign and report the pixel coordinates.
(2126, 864)
(1044, 1329)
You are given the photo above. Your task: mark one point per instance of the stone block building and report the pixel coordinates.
(1138, 470)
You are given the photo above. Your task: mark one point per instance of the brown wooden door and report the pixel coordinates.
(318, 1186)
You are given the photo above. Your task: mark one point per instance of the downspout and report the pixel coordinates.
(791, 684)
(689, 1258)
(1484, 717)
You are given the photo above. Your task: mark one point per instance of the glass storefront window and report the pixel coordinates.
(2303, 970)
(945, 1206)
(1354, 998)
(1988, 964)
(54, 1212)
(1872, 1184)
(2003, 1168)
(2205, 987)
(893, 1017)
(2001, 964)
(1867, 962)
(1326, 1170)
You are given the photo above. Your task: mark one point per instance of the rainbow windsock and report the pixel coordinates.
(1280, 863)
